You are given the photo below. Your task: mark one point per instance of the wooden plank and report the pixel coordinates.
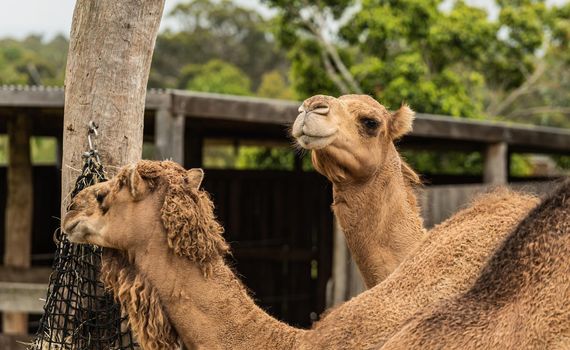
(53, 97)
(271, 112)
(228, 107)
(24, 275)
(19, 206)
(22, 297)
(538, 138)
(14, 342)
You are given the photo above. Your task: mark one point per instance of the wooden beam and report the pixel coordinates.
(495, 168)
(227, 107)
(24, 275)
(19, 207)
(53, 97)
(14, 342)
(270, 112)
(22, 298)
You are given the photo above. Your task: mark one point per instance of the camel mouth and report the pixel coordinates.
(75, 231)
(315, 142)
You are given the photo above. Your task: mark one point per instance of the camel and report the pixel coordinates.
(352, 144)
(351, 139)
(165, 265)
(521, 300)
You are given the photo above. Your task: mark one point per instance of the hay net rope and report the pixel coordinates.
(78, 312)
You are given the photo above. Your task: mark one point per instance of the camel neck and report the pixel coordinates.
(213, 312)
(380, 220)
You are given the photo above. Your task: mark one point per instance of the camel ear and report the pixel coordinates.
(401, 122)
(195, 177)
(137, 186)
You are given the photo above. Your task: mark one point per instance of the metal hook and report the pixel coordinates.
(92, 130)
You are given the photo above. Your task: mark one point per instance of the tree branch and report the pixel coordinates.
(499, 107)
(333, 75)
(332, 52)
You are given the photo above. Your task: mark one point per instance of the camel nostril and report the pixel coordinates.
(70, 228)
(319, 108)
(72, 206)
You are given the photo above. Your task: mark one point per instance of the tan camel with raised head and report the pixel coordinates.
(166, 267)
(351, 139)
(521, 299)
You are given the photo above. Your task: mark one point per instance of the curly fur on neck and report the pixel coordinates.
(192, 231)
(139, 300)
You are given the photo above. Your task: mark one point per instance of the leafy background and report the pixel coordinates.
(446, 58)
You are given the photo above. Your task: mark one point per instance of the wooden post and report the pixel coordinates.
(19, 207)
(346, 278)
(340, 267)
(169, 136)
(108, 63)
(495, 170)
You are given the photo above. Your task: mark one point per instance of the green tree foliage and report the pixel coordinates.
(32, 61)
(210, 30)
(215, 76)
(453, 61)
(274, 85)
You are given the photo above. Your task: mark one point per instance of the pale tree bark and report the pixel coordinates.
(108, 64)
(337, 71)
(500, 106)
(19, 210)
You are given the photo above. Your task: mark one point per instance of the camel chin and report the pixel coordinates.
(315, 142)
(77, 231)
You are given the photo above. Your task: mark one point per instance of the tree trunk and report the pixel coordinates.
(108, 64)
(19, 210)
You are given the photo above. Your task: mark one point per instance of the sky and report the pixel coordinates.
(19, 18)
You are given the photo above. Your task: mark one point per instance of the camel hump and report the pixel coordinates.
(520, 299)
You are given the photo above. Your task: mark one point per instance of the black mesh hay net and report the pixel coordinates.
(78, 312)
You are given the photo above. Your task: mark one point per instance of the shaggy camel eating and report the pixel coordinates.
(166, 267)
(520, 301)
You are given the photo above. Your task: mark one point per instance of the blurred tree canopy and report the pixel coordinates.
(442, 57)
(216, 30)
(452, 61)
(32, 61)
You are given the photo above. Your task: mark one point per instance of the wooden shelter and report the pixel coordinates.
(279, 222)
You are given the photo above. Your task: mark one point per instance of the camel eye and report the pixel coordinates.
(369, 123)
(101, 197)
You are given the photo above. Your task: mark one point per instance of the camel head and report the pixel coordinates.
(351, 137)
(145, 202)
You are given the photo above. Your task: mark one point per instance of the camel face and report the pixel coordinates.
(104, 214)
(145, 197)
(349, 136)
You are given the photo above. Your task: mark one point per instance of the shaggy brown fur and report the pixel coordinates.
(447, 263)
(139, 300)
(352, 143)
(215, 312)
(520, 301)
(187, 214)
